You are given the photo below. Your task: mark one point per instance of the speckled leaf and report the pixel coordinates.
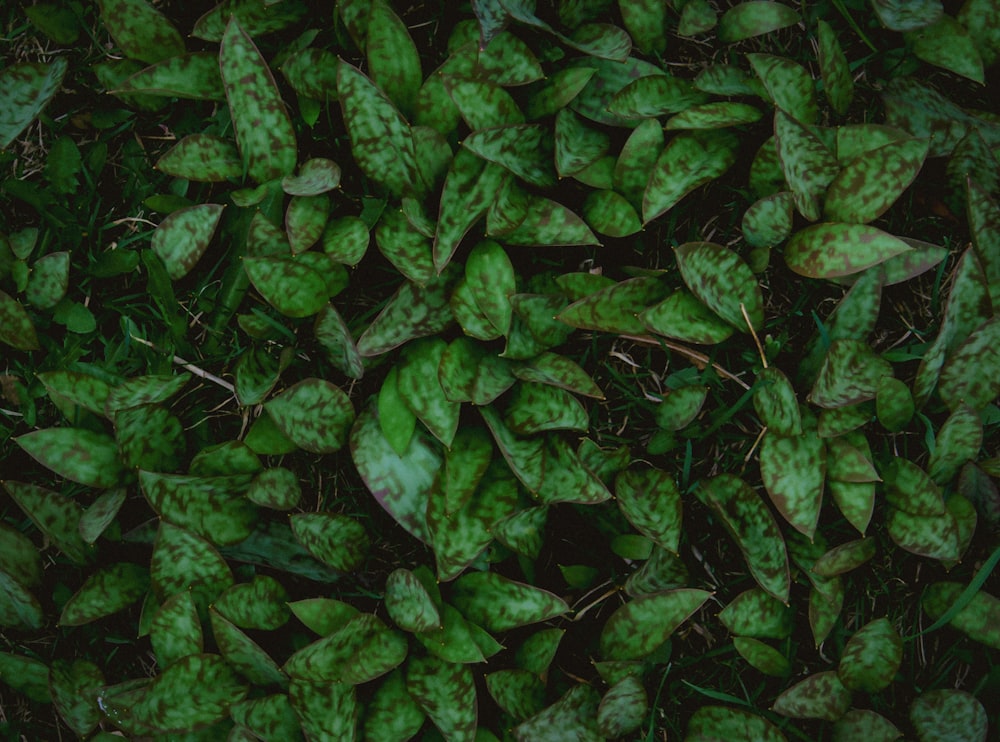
(315, 414)
(576, 144)
(776, 403)
(690, 160)
(684, 317)
(202, 157)
(788, 84)
(980, 19)
(421, 390)
(490, 277)
(844, 558)
(566, 478)
(182, 560)
(455, 640)
(548, 223)
(762, 657)
(396, 420)
(446, 692)
(711, 723)
(291, 286)
(412, 312)
(189, 76)
(534, 408)
(28, 86)
(907, 15)
(645, 20)
(651, 502)
(925, 113)
(261, 603)
(623, 708)
(195, 691)
(518, 692)
(327, 710)
(838, 84)
(334, 539)
(100, 514)
(748, 19)
(105, 592)
(768, 222)
(74, 453)
(979, 619)
(640, 626)
(312, 73)
(392, 715)
(559, 89)
(934, 536)
(264, 132)
(807, 163)
(697, 17)
(405, 247)
(258, 17)
(958, 441)
(140, 30)
(754, 613)
(18, 556)
(524, 531)
(268, 717)
(381, 140)
(362, 650)
(610, 213)
(793, 470)
(524, 456)
(871, 658)
(19, 608)
(175, 630)
(573, 716)
(908, 488)
(243, 653)
(983, 214)
(305, 219)
(535, 327)
(863, 724)
(401, 483)
(54, 515)
(81, 389)
(949, 716)
(723, 281)
(850, 374)
(867, 186)
(469, 189)
(751, 524)
(332, 333)
(182, 238)
(393, 60)
(819, 696)
(559, 371)
(48, 281)
(947, 44)
(408, 602)
(483, 104)
(211, 507)
(727, 79)
(634, 164)
(654, 95)
(615, 308)
(74, 688)
(499, 604)
(523, 149)
(971, 376)
(680, 407)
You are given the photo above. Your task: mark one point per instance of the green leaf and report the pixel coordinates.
(611, 214)
(183, 561)
(845, 557)
(867, 186)
(211, 507)
(30, 86)
(768, 222)
(908, 488)
(412, 312)
(422, 392)
(519, 693)
(18, 556)
(469, 188)
(202, 157)
(316, 176)
(654, 95)
(534, 408)
(326, 710)
(640, 626)
(819, 696)
(576, 145)
(64, 165)
(243, 653)
(907, 15)
(926, 114)
(269, 717)
(79, 455)
(547, 223)
(105, 592)
(850, 374)
(195, 691)
(748, 19)
(651, 502)
(871, 658)
(392, 715)
(182, 238)
(75, 687)
(789, 85)
(978, 619)
(59, 23)
(261, 603)
(723, 281)
(893, 404)
(189, 76)
(49, 280)
(806, 162)
(142, 390)
(140, 30)
(361, 650)
(18, 607)
(292, 286)
(312, 73)
(558, 91)
(645, 20)
(408, 602)
(757, 614)
(499, 604)
(623, 708)
(980, 20)
(751, 524)
(614, 309)
(175, 630)
(264, 132)
(949, 716)
(971, 376)
(574, 714)
(26, 675)
(697, 17)
(838, 83)
(721, 722)
(16, 327)
(793, 470)
(258, 17)
(446, 691)
(520, 148)
(276, 488)
(401, 483)
(393, 59)
(333, 334)
(762, 656)
(684, 317)
(334, 539)
(776, 403)
(690, 160)
(381, 140)
(934, 536)
(864, 724)
(305, 219)
(958, 441)
(491, 279)
(524, 531)
(947, 44)
(457, 640)
(315, 414)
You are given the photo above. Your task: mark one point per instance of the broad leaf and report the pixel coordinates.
(28, 86)
(315, 414)
(640, 626)
(747, 19)
(871, 658)
(723, 281)
(874, 181)
(182, 238)
(949, 716)
(819, 696)
(690, 160)
(105, 592)
(142, 31)
(499, 604)
(362, 650)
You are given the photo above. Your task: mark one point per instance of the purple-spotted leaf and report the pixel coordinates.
(934, 536)
(855, 140)
(446, 691)
(258, 17)
(573, 716)
(655, 95)
(334, 335)
(757, 614)
(105, 592)
(690, 160)
(850, 374)
(524, 531)
(211, 507)
(74, 688)
(806, 162)
(524, 149)
(261, 603)
(984, 222)
(264, 132)
(469, 188)
(623, 708)
(405, 247)
(949, 716)
(401, 483)
(18, 556)
(19, 608)
(685, 317)
(793, 470)
(194, 692)
(518, 692)
(361, 650)
(723, 281)
(634, 164)
(457, 640)
(947, 44)
(28, 88)
(651, 502)
(751, 524)
(640, 626)
(393, 60)
(776, 403)
(595, 100)
(978, 619)
(392, 713)
(48, 281)
(408, 602)
(326, 710)
(334, 539)
(826, 600)
(576, 145)
(788, 84)
(277, 488)
(680, 407)
(490, 277)
(645, 20)
(483, 104)
(834, 249)
(305, 219)
(844, 558)
(856, 500)
(535, 408)
(316, 176)
(710, 723)
(291, 286)
(182, 238)
(838, 84)
(243, 654)
(909, 488)
(868, 185)
(971, 376)
(202, 157)
(140, 390)
(315, 414)
(470, 372)
(77, 454)
(907, 15)
(615, 309)
(268, 717)
(747, 19)
(611, 214)
(547, 223)
(958, 441)
(412, 312)
(140, 30)
(558, 91)
(864, 724)
(768, 222)
(381, 139)
(77, 388)
(524, 456)
(492, 18)
(559, 371)
(719, 115)
(312, 73)
(499, 604)
(871, 658)
(421, 390)
(190, 76)
(762, 656)
(16, 327)
(54, 515)
(566, 479)
(820, 696)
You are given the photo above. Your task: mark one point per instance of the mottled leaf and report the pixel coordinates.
(819, 696)
(651, 502)
(195, 691)
(949, 716)
(182, 560)
(19, 608)
(971, 376)
(315, 414)
(838, 83)
(175, 630)
(788, 84)
(844, 558)
(393, 59)
(211, 507)
(408, 602)
(105, 592)
(850, 374)
(534, 408)
(182, 238)
(762, 656)
(710, 723)
(392, 715)
(806, 162)
(276, 488)
(623, 708)
(559, 371)
(291, 286)
(768, 222)
(863, 724)
(79, 455)
(793, 470)
(446, 692)
(685, 317)
(947, 44)
(958, 441)
(577, 145)
(412, 312)
(979, 619)
(776, 403)
(268, 717)
(258, 17)
(522, 149)
(690, 160)
(574, 714)
(469, 189)
(925, 113)
(499, 604)
(189, 76)
(871, 658)
(74, 687)
(748, 19)
(723, 281)
(640, 626)
(54, 515)
(934, 536)
(559, 89)
(334, 539)
(421, 390)
(757, 614)
(655, 95)
(327, 710)
(615, 309)
(361, 650)
(16, 327)
(518, 692)
(202, 157)
(140, 30)
(868, 185)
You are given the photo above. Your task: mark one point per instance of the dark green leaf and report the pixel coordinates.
(723, 281)
(56, 516)
(690, 160)
(315, 414)
(446, 692)
(949, 716)
(640, 626)
(105, 592)
(871, 658)
(819, 696)
(748, 19)
(499, 604)
(195, 691)
(142, 31)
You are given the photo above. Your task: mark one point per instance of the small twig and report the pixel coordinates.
(760, 437)
(760, 348)
(188, 366)
(699, 359)
(600, 599)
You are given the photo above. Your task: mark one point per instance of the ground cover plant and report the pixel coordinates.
(571, 370)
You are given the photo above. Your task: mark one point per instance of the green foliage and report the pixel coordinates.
(495, 478)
